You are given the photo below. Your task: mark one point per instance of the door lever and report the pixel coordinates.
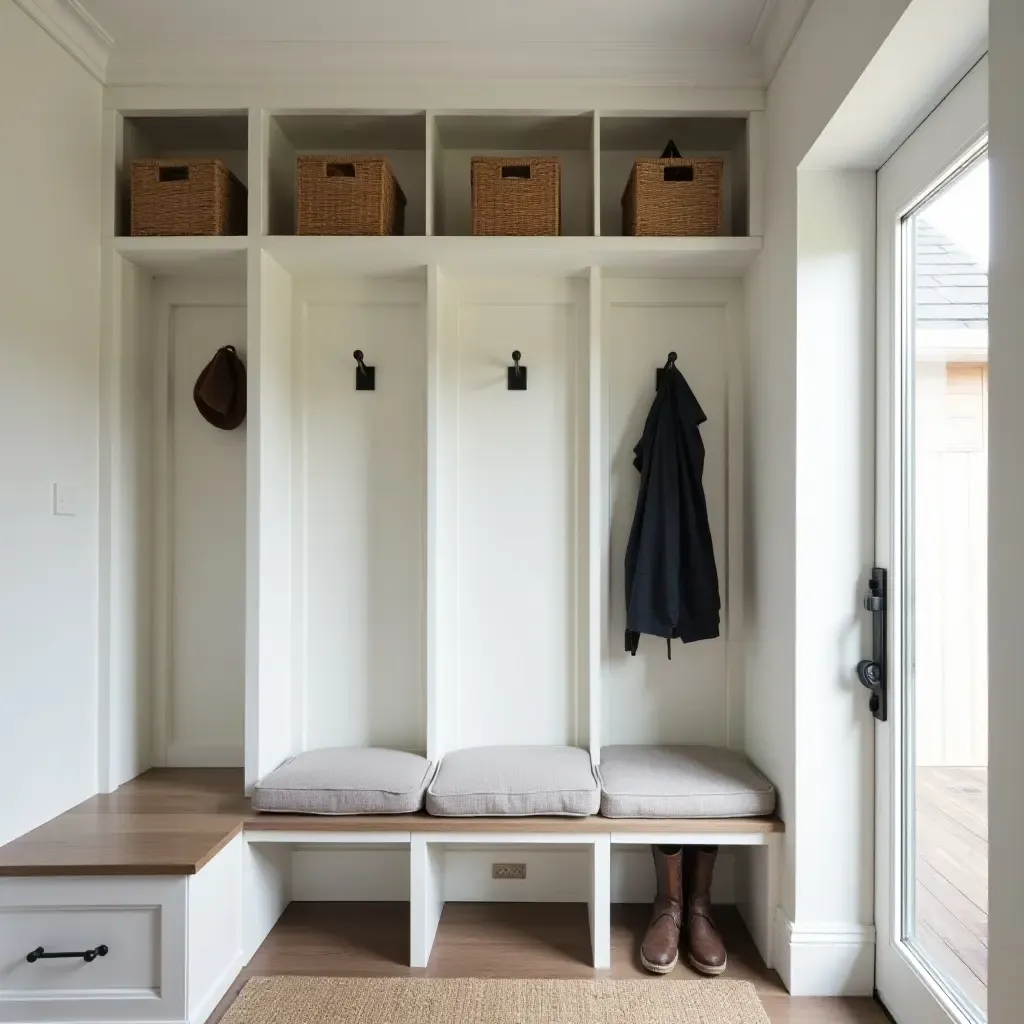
(873, 672)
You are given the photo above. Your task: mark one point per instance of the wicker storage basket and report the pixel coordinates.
(186, 197)
(345, 195)
(517, 195)
(673, 196)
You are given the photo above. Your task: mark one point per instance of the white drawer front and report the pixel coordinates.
(131, 935)
(140, 921)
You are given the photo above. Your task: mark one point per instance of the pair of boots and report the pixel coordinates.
(683, 905)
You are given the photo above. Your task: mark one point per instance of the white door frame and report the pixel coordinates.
(954, 131)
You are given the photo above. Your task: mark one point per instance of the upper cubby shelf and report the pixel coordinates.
(430, 154)
(459, 138)
(626, 138)
(223, 135)
(400, 137)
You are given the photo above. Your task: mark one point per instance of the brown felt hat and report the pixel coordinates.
(220, 389)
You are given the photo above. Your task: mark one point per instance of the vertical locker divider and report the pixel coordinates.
(597, 517)
(435, 532)
(756, 133)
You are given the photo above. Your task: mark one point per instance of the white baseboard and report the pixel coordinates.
(552, 876)
(188, 755)
(209, 1002)
(824, 959)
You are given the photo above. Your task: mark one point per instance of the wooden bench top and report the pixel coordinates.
(172, 821)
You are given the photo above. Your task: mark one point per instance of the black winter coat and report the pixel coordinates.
(671, 578)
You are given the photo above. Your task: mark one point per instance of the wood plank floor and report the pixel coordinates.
(951, 910)
(509, 940)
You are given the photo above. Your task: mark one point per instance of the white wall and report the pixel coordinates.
(517, 674)
(360, 471)
(49, 395)
(1006, 512)
(834, 45)
(835, 447)
(696, 697)
(272, 729)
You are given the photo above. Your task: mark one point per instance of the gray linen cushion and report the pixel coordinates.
(345, 780)
(681, 782)
(515, 781)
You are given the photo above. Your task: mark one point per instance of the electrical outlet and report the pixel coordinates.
(508, 871)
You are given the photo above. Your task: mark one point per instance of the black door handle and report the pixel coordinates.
(873, 672)
(88, 955)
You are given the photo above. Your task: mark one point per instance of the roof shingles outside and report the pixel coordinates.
(952, 289)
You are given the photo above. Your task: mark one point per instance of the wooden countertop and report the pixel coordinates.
(172, 821)
(168, 821)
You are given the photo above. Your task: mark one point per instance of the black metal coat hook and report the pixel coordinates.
(517, 373)
(672, 357)
(366, 376)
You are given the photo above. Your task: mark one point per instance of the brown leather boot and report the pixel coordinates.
(659, 951)
(704, 945)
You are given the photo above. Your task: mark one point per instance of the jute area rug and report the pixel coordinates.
(304, 1000)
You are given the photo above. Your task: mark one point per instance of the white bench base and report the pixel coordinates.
(426, 871)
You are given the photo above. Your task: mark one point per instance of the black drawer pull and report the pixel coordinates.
(88, 955)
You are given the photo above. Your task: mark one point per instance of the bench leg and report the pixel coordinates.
(600, 902)
(426, 898)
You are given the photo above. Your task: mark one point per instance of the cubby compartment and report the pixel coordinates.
(696, 696)
(509, 506)
(177, 604)
(459, 138)
(624, 139)
(222, 135)
(358, 512)
(399, 137)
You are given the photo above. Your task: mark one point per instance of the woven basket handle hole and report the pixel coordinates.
(678, 174)
(173, 174)
(517, 171)
(341, 170)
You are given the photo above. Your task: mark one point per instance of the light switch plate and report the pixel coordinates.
(63, 500)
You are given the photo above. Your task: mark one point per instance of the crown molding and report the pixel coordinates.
(776, 29)
(262, 63)
(67, 22)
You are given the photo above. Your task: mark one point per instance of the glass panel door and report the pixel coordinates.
(945, 669)
(931, 905)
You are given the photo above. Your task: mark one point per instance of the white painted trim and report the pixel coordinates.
(512, 838)
(339, 839)
(757, 160)
(824, 959)
(597, 521)
(776, 30)
(599, 904)
(434, 531)
(72, 27)
(692, 838)
(953, 131)
(217, 990)
(240, 62)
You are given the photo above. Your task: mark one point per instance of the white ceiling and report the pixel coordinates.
(704, 43)
(687, 24)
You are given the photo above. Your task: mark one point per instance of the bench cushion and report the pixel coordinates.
(681, 782)
(345, 780)
(515, 781)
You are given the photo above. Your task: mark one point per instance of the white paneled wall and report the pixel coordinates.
(437, 563)
(649, 698)
(203, 487)
(515, 675)
(361, 497)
